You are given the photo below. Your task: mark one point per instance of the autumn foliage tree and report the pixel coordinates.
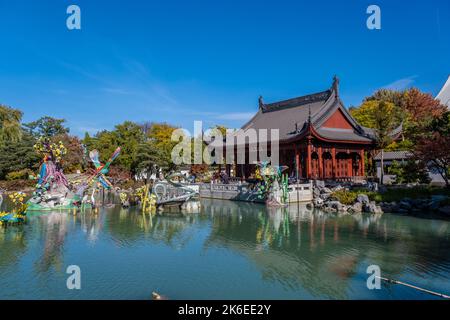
(421, 118)
(433, 147)
(414, 109)
(74, 159)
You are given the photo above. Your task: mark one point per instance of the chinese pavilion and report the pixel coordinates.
(319, 139)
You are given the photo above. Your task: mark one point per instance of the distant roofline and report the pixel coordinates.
(393, 155)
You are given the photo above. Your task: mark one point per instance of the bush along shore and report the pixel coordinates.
(415, 200)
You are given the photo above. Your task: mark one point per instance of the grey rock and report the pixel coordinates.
(335, 205)
(329, 210)
(363, 198)
(373, 208)
(320, 183)
(318, 202)
(405, 204)
(356, 208)
(325, 196)
(325, 190)
(316, 192)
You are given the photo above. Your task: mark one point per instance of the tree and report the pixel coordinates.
(387, 95)
(127, 135)
(160, 134)
(148, 159)
(411, 171)
(412, 108)
(434, 151)
(74, 158)
(17, 156)
(422, 107)
(433, 147)
(367, 113)
(10, 129)
(384, 123)
(47, 127)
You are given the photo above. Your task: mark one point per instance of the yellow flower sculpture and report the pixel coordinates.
(19, 208)
(44, 146)
(148, 202)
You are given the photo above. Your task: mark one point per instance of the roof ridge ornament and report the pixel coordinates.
(309, 114)
(336, 86)
(260, 102)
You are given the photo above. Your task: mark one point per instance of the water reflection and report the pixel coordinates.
(315, 254)
(321, 252)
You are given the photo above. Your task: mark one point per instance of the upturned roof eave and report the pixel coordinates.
(310, 130)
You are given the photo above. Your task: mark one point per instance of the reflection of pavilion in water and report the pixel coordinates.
(54, 228)
(319, 252)
(287, 244)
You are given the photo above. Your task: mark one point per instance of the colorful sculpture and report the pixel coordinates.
(102, 170)
(274, 184)
(98, 178)
(52, 190)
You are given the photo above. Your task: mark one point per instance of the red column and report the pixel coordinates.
(309, 162)
(349, 165)
(333, 160)
(300, 167)
(321, 175)
(363, 170)
(297, 161)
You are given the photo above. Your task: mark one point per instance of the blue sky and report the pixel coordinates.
(180, 61)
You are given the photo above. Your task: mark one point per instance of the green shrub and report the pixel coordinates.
(391, 194)
(345, 197)
(23, 174)
(409, 172)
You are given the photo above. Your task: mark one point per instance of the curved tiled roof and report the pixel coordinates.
(291, 117)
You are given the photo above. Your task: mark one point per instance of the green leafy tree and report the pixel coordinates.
(160, 135)
(411, 171)
(17, 156)
(128, 136)
(47, 127)
(148, 159)
(10, 125)
(368, 113)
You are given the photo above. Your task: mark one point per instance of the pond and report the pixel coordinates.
(228, 250)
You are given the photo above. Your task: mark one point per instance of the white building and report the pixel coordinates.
(444, 94)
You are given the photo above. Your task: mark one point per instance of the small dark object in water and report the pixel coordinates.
(156, 296)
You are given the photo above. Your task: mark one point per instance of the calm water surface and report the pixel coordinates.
(228, 250)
